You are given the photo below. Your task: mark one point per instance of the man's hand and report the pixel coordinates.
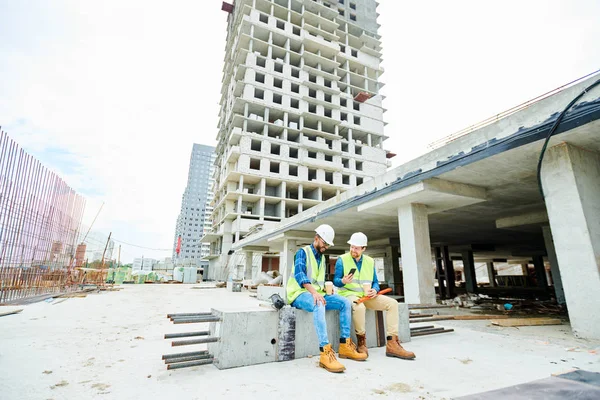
(318, 299)
(371, 293)
(347, 279)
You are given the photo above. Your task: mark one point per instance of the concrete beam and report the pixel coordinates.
(255, 249)
(437, 194)
(301, 236)
(538, 217)
(570, 178)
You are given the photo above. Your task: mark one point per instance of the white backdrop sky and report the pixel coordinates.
(112, 94)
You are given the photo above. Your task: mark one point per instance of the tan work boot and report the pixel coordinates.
(394, 349)
(348, 350)
(328, 360)
(362, 344)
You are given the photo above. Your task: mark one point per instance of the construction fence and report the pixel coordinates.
(40, 222)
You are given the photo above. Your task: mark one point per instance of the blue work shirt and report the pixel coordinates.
(300, 265)
(339, 273)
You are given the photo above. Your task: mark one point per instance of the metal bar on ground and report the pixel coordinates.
(209, 339)
(190, 364)
(186, 334)
(195, 320)
(420, 315)
(431, 332)
(187, 314)
(185, 359)
(421, 328)
(430, 319)
(188, 354)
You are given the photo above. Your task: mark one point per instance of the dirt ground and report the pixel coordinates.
(109, 345)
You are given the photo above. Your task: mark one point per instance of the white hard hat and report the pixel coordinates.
(326, 232)
(358, 239)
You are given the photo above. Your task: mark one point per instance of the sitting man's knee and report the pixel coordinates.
(358, 307)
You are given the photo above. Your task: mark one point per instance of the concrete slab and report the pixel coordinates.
(109, 346)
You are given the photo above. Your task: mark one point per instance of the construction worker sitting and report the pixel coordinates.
(306, 291)
(356, 277)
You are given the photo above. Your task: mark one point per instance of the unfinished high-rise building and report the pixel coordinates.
(194, 217)
(301, 116)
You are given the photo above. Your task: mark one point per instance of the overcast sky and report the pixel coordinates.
(112, 94)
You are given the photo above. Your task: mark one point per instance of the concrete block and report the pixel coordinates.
(306, 335)
(265, 292)
(246, 338)
(233, 286)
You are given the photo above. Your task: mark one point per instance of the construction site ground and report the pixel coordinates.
(109, 345)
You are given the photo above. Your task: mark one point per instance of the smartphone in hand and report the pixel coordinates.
(352, 271)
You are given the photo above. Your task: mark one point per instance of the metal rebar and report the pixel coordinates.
(431, 332)
(417, 320)
(188, 354)
(188, 314)
(195, 320)
(419, 328)
(209, 339)
(190, 358)
(190, 364)
(420, 315)
(186, 334)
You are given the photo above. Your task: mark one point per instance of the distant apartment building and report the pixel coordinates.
(194, 217)
(301, 116)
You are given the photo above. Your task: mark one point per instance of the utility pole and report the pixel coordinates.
(105, 247)
(119, 257)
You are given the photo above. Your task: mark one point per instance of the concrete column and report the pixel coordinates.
(540, 272)
(440, 272)
(491, 274)
(415, 246)
(469, 269)
(248, 266)
(221, 272)
(556, 280)
(450, 275)
(286, 259)
(571, 182)
(391, 268)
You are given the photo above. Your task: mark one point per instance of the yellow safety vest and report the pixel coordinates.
(365, 275)
(317, 280)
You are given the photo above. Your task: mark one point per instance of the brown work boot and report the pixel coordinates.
(394, 349)
(362, 344)
(348, 350)
(328, 360)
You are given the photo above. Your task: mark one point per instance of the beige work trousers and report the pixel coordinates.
(379, 303)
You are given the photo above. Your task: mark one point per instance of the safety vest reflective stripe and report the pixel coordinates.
(294, 290)
(365, 275)
(310, 261)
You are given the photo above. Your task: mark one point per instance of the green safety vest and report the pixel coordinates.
(365, 275)
(317, 280)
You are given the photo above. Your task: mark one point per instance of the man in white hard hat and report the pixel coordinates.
(306, 291)
(353, 271)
